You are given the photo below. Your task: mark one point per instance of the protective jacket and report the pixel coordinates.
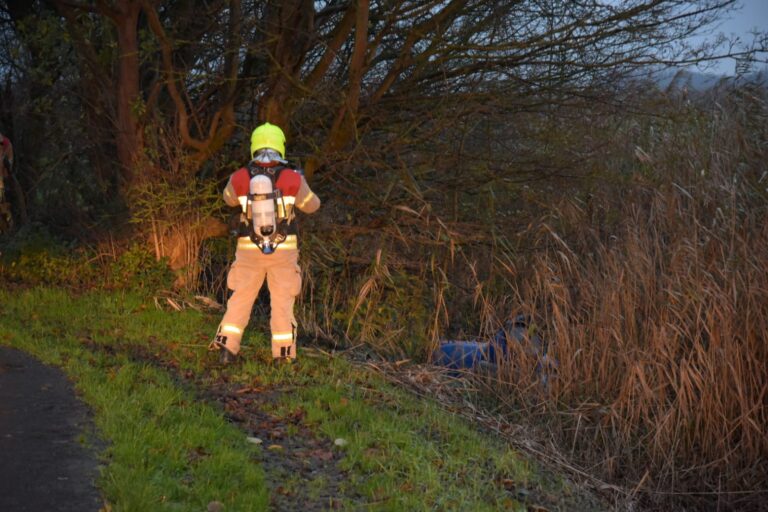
(6, 162)
(6, 159)
(6, 150)
(252, 266)
(295, 194)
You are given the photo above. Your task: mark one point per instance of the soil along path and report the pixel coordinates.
(302, 468)
(43, 463)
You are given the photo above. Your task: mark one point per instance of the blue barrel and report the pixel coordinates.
(458, 355)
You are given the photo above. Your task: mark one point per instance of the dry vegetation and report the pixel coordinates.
(477, 160)
(637, 243)
(645, 273)
(660, 328)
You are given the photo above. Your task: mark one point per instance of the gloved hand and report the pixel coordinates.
(236, 223)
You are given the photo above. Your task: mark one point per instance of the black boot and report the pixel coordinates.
(226, 357)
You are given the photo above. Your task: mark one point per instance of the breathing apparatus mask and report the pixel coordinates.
(268, 156)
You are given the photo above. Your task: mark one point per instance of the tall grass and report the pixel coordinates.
(646, 275)
(659, 318)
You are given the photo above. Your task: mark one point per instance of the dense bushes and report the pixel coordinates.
(40, 260)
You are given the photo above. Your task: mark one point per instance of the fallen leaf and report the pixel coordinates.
(275, 447)
(379, 494)
(215, 506)
(508, 483)
(297, 415)
(321, 454)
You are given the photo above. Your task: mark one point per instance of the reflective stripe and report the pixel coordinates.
(283, 337)
(291, 242)
(307, 199)
(231, 328)
(287, 200)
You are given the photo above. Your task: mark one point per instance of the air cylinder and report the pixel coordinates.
(262, 209)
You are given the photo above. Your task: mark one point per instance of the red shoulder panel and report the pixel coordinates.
(240, 181)
(289, 182)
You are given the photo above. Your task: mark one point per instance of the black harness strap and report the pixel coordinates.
(283, 224)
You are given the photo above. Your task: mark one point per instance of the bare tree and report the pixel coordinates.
(176, 84)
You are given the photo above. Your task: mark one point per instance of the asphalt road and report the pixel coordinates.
(45, 433)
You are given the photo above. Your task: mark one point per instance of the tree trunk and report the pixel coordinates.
(129, 139)
(289, 26)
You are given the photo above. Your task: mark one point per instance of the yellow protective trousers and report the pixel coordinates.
(245, 278)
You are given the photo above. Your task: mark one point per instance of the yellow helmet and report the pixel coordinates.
(268, 136)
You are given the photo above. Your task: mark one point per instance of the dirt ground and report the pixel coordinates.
(45, 433)
(302, 468)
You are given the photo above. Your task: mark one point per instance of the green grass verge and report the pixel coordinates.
(169, 451)
(166, 451)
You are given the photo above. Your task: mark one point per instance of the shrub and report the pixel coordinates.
(34, 257)
(137, 267)
(39, 261)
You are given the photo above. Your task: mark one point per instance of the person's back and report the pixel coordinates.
(6, 153)
(6, 164)
(267, 192)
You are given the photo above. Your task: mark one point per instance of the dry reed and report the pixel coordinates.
(659, 326)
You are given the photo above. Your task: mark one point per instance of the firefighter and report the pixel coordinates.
(6, 164)
(267, 191)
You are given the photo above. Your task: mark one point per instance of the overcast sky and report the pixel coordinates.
(753, 15)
